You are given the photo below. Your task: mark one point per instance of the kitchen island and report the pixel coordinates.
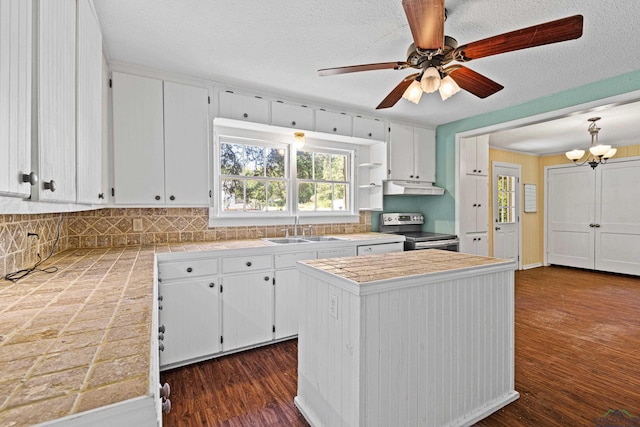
(421, 338)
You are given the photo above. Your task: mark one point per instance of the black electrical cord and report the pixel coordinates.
(17, 275)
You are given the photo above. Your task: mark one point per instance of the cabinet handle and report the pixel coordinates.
(161, 346)
(475, 205)
(160, 298)
(410, 176)
(245, 115)
(266, 278)
(479, 171)
(159, 306)
(189, 269)
(211, 285)
(161, 337)
(592, 225)
(474, 239)
(165, 390)
(157, 197)
(597, 225)
(479, 238)
(166, 406)
(417, 176)
(172, 197)
(51, 185)
(31, 178)
(248, 263)
(479, 205)
(293, 123)
(370, 135)
(475, 170)
(100, 195)
(161, 329)
(335, 129)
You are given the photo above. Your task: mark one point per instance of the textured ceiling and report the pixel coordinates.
(277, 46)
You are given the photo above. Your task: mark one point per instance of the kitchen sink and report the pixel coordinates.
(306, 239)
(286, 240)
(321, 238)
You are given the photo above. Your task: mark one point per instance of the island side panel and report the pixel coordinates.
(441, 353)
(328, 354)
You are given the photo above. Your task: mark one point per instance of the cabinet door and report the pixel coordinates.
(56, 98)
(482, 155)
(138, 146)
(401, 152)
(291, 116)
(190, 313)
(89, 104)
(247, 310)
(186, 144)
(241, 107)
(475, 244)
(424, 142)
(482, 202)
(474, 155)
(330, 122)
(368, 128)
(286, 303)
(15, 96)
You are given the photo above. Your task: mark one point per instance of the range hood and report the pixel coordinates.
(413, 188)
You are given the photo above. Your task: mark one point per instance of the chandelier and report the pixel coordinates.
(598, 153)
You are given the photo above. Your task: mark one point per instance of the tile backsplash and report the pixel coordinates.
(112, 227)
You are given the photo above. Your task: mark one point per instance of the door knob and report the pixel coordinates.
(497, 228)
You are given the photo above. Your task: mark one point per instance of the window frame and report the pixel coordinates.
(256, 134)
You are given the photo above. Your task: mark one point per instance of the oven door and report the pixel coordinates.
(445, 245)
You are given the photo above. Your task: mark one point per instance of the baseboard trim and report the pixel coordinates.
(530, 266)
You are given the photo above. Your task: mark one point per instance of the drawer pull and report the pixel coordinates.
(165, 391)
(161, 329)
(189, 269)
(211, 285)
(166, 406)
(266, 278)
(248, 263)
(161, 347)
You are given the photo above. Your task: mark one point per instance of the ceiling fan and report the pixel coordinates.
(439, 58)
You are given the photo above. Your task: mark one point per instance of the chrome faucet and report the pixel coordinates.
(295, 226)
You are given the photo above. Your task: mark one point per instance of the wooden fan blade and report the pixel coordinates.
(364, 67)
(551, 32)
(426, 20)
(397, 92)
(474, 82)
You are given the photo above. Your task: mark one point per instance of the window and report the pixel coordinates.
(506, 198)
(253, 178)
(259, 174)
(322, 181)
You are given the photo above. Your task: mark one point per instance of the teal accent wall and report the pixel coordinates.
(440, 210)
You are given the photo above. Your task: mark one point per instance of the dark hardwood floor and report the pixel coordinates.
(577, 356)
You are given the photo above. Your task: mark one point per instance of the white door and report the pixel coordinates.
(506, 211)
(247, 310)
(570, 209)
(190, 313)
(617, 218)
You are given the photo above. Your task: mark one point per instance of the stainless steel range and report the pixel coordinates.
(410, 226)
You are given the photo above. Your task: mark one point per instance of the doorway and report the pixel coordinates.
(506, 211)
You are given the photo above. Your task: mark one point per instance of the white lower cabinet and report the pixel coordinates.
(335, 253)
(475, 244)
(190, 315)
(247, 310)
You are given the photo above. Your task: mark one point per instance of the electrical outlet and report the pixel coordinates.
(333, 306)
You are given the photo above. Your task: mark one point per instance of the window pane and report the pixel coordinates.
(276, 195)
(231, 156)
(275, 162)
(324, 197)
(506, 199)
(304, 162)
(321, 166)
(340, 197)
(338, 168)
(306, 196)
(256, 195)
(254, 162)
(232, 196)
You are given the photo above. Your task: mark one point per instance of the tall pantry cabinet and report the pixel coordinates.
(160, 130)
(473, 195)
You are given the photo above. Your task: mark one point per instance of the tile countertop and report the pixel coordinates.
(399, 264)
(79, 338)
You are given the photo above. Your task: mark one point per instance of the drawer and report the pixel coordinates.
(186, 269)
(337, 253)
(242, 264)
(289, 260)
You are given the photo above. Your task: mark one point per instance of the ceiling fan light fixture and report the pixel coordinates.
(430, 80)
(413, 92)
(574, 155)
(448, 88)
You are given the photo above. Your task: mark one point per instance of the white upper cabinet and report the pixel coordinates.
(138, 134)
(160, 140)
(330, 122)
(54, 149)
(412, 153)
(368, 128)
(291, 116)
(474, 155)
(242, 107)
(89, 107)
(15, 96)
(186, 137)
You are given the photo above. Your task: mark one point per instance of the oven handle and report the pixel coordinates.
(436, 243)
